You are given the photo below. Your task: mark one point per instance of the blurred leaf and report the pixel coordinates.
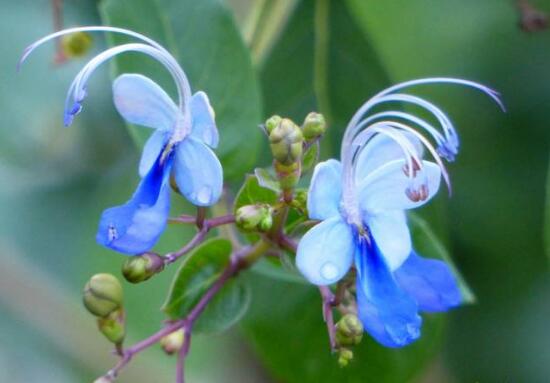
(428, 245)
(273, 268)
(251, 192)
(546, 233)
(227, 308)
(267, 180)
(285, 326)
(198, 272)
(305, 72)
(203, 37)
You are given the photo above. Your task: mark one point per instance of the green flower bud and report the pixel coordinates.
(113, 326)
(314, 126)
(286, 142)
(272, 123)
(288, 175)
(345, 357)
(349, 330)
(300, 200)
(76, 44)
(102, 295)
(173, 342)
(141, 268)
(254, 217)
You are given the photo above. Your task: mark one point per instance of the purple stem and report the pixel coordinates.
(328, 299)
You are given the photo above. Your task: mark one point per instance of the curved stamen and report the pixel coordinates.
(437, 136)
(152, 48)
(350, 133)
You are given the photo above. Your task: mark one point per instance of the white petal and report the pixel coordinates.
(391, 233)
(386, 187)
(325, 190)
(141, 101)
(325, 253)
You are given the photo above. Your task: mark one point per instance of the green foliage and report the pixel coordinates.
(311, 156)
(285, 326)
(547, 217)
(197, 273)
(251, 193)
(267, 180)
(203, 37)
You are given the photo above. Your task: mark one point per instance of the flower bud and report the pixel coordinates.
(314, 126)
(141, 268)
(300, 200)
(76, 44)
(173, 342)
(349, 330)
(254, 217)
(288, 175)
(286, 142)
(345, 357)
(272, 123)
(113, 326)
(102, 295)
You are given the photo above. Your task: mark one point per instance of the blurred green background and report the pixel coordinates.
(325, 55)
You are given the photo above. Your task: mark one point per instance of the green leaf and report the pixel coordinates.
(427, 244)
(311, 156)
(286, 328)
(273, 268)
(198, 272)
(203, 37)
(546, 233)
(228, 306)
(267, 180)
(251, 192)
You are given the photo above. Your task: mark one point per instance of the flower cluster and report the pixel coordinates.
(361, 202)
(179, 147)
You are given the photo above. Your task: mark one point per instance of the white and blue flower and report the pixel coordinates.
(362, 202)
(180, 146)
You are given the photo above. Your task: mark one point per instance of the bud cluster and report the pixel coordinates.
(256, 217)
(140, 268)
(103, 298)
(349, 332)
(288, 142)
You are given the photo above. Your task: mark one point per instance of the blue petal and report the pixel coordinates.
(430, 282)
(325, 253)
(204, 124)
(198, 172)
(325, 190)
(141, 101)
(135, 227)
(392, 235)
(380, 150)
(388, 314)
(386, 187)
(151, 151)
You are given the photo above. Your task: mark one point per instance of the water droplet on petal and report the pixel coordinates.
(204, 195)
(329, 271)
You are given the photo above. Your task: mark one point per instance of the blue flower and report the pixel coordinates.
(362, 202)
(179, 147)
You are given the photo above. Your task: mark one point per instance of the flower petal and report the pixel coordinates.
(380, 150)
(325, 253)
(151, 151)
(135, 227)
(198, 172)
(391, 233)
(388, 314)
(430, 282)
(204, 124)
(141, 101)
(386, 187)
(325, 190)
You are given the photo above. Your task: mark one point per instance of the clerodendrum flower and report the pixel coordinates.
(361, 202)
(180, 146)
